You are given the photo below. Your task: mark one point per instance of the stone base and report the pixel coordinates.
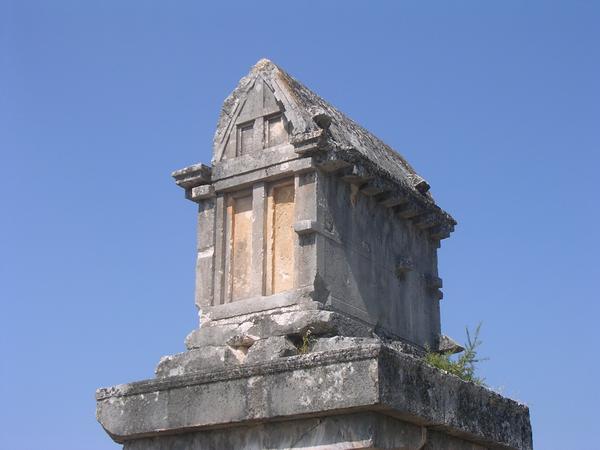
(367, 396)
(252, 332)
(367, 430)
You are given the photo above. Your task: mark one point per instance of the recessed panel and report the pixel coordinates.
(276, 132)
(282, 238)
(245, 139)
(241, 247)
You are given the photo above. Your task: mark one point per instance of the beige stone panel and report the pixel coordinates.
(245, 138)
(275, 131)
(241, 247)
(281, 237)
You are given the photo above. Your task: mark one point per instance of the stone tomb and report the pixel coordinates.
(318, 292)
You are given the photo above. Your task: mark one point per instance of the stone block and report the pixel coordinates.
(261, 326)
(318, 295)
(317, 322)
(367, 378)
(208, 357)
(205, 264)
(269, 349)
(449, 345)
(242, 341)
(205, 231)
(211, 335)
(192, 176)
(301, 297)
(201, 193)
(437, 441)
(340, 343)
(340, 432)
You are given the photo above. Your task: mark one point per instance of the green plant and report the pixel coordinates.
(306, 341)
(462, 366)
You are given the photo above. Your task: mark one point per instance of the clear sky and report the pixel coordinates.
(496, 104)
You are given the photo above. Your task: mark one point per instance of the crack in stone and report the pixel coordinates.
(319, 422)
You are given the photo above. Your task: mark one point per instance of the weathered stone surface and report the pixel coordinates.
(213, 335)
(376, 269)
(203, 358)
(309, 115)
(270, 348)
(203, 192)
(367, 377)
(318, 292)
(437, 441)
(242, 340)
(275, 132)
(300, 297)
(280, 240)
(253, 161)
(449, 345)
(339, 343)
(341, 432)
(457, 407)
(192, 176)
(270, 173)
(293, 323)
(300, 322)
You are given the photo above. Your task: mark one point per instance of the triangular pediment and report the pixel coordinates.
(268, 92)
(256, 119)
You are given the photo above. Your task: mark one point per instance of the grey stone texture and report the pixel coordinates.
(366, 378)
(359, 266)
(270, 348)
(278, 323)
(206, 357)
(319, 345)
(348, 431)
(367, 226)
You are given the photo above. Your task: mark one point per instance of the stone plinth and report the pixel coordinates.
(367, 396)
(318, 290)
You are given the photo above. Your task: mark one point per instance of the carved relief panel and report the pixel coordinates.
(239, 254)
(259, 123)
(259, 259)
(280, 238)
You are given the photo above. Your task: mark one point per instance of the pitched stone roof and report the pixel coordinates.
(346, 133)
(338, 137)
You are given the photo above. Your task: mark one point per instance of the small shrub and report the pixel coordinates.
(306, 342)
(462, 366)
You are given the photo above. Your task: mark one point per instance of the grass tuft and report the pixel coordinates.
(463, 366)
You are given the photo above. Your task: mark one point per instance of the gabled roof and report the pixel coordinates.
(303, 105)
(313, 119)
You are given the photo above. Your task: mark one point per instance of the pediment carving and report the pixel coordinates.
(258, 122)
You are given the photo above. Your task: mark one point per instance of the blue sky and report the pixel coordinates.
(496, 104)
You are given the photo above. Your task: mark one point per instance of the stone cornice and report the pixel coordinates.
(370, 377)
(192, 176)
(409, 202)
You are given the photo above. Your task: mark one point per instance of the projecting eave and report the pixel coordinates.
(337, 143)
(353, 167)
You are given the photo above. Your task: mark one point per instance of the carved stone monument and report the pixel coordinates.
(318, 292)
